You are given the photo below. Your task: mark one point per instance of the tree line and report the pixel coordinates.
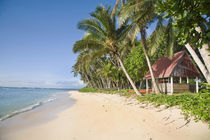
(116, 52)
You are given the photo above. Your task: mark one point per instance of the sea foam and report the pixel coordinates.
(28, 108)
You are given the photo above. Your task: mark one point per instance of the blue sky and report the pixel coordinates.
(36, 39)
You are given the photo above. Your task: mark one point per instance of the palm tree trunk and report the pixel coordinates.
(127, 75)
(205, 55)
(88, 80)
(204, 51)
(100, 83)
(157, 90)
(103, 83)
(198, 62)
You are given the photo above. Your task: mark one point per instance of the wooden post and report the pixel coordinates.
(147, 86)
(187, 80)
(157, 82)
(172, 87)
(163, 87)
(197, 88)
(180, 80)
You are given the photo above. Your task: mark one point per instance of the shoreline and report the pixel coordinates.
(19, 100)
(26, 109)
(37, 116)
(102, 116)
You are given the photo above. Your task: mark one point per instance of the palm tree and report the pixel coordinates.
(103, 37)
(141, 13)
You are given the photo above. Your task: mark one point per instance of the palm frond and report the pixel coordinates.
(122, 32)
(163, 36)
(91, 36)
(91, 25)
(99, 53)
(103, 16)
(134, 30)
(170, 38)
(126, 11)
(87, 44)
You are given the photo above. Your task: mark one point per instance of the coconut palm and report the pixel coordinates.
(141, 13)
(103, 37)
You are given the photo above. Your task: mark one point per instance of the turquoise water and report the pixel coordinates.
(16, 100)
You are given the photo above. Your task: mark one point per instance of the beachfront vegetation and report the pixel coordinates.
(187, 16)
(192, 105)
(191, 23)
(141, 15)
(104, 39)
(115, 51)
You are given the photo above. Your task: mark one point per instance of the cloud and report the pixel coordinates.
(47, 82)
(72, 83)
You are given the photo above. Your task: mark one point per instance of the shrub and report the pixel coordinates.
(196, 105)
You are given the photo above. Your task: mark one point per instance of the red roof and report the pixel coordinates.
(180, 65)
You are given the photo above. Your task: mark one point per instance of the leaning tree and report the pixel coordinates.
(103, 37)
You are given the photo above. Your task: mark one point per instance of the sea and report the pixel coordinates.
(16, 100)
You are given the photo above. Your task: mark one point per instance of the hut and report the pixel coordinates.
(172, 75)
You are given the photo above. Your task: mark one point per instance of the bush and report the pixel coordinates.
(89, 90)
(196, 105)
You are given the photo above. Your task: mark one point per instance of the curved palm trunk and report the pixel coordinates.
(157, 90)
(198, 62)
(206, 56)
(204, 51)
(86, 76)
(127, 75)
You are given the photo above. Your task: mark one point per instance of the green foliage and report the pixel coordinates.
(196, 105)
(89, 90)
(136, 63)
(104, 39)
(123, 92)
(192, 105)
(205, 87)
(187, 15)
(101, 50)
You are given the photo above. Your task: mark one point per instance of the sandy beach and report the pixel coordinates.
(103, 116)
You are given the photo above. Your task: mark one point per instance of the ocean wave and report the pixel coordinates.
(28, 108)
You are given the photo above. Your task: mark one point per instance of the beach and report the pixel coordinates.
(93, 116)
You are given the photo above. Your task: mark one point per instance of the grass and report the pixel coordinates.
(192, 105)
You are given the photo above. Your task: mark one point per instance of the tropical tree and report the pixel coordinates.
(141, 13)
(191, 21)
(187, 15)
(103, 38)
(135, 64)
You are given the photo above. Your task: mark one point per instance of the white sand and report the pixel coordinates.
(111, 117)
